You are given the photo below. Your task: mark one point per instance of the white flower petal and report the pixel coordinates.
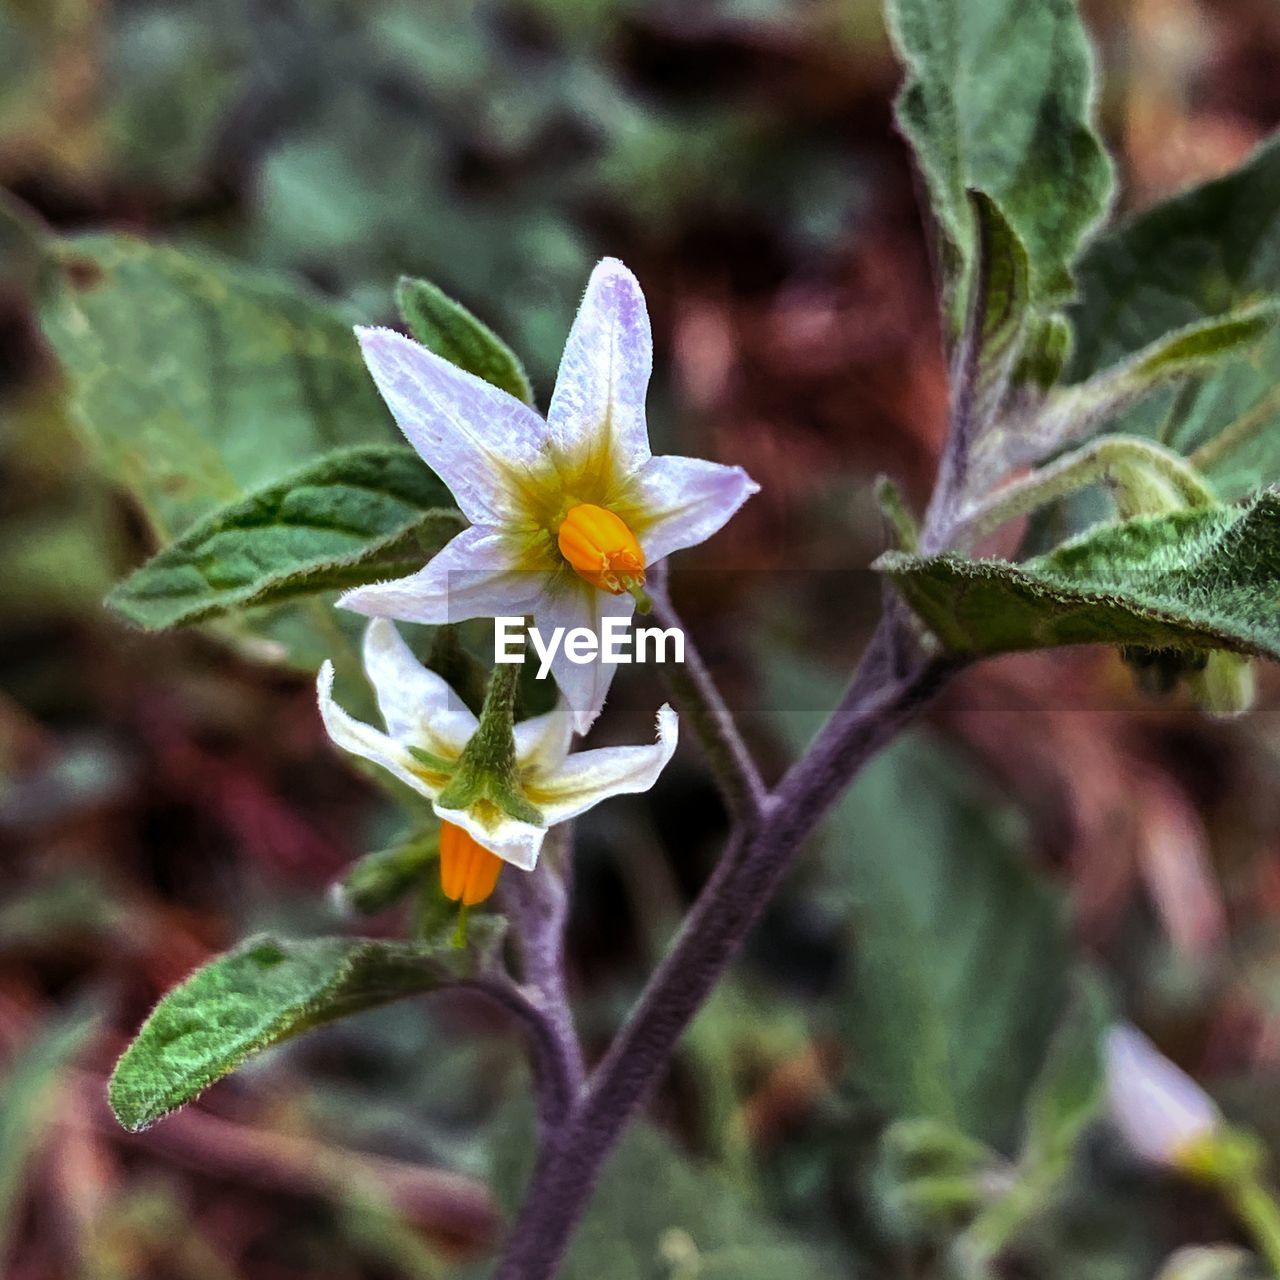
(685, 501)
(597, 408)
(543, 742)
(365, 741)
(585, 685)
(418, 706)
(470, 577)
(1158, 1108)
(518, 843)
(591, 776)
(472, 435)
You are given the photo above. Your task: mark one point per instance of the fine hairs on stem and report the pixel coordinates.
(893, 682)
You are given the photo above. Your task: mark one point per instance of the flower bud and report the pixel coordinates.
(1163, 1114)
(1225, 685)
(1208, 1262)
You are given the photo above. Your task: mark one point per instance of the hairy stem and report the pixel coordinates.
(877, 704)
(701, 705)
(554, 1058)
(537, 905)
(1124, 461)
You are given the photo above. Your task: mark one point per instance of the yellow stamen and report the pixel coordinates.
(468, 871)
(601, 549)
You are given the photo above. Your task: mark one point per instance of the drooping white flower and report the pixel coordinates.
(428, 729)
(1159, 1109)
(567, 513)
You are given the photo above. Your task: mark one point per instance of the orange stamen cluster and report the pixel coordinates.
(600, 548)
(468, 871)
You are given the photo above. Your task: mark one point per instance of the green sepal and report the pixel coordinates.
(452, 332)
(437, 764)
(381, 879)
(486, 773)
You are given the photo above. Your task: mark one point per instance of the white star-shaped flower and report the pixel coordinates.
(428, 728)
(568, 512)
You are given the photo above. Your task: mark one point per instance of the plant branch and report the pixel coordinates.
(953, 467)
(557, 1064)
(701, 704)
(537, 905)
(1124, 461)
(878, 703)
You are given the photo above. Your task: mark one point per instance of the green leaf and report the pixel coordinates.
(198, 381)
(960, 953)
(998, 96)
(451, 331)
(355, 515)
(1000, 305)
(1201, 254)
(265, 991)
(1207, 578)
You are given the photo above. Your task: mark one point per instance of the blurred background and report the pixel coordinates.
(162, 796)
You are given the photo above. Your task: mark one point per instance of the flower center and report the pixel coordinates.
(601, 549)
(468, 871)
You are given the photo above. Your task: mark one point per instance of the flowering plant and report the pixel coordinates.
(1105, 480)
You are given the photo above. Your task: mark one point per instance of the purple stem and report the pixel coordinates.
(880, 699)
(537, 905)
(700, 702)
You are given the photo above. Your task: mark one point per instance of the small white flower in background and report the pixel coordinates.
(1209, 1262)
(567, 513)
(428, 729)
(1161, 1111)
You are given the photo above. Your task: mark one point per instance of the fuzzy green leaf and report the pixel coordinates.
(1193, 580)
(1001, 304)
(265, 991)
(451, 331)
(198, 381)
(998, 96)
(357, 514)
(1201, 254)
